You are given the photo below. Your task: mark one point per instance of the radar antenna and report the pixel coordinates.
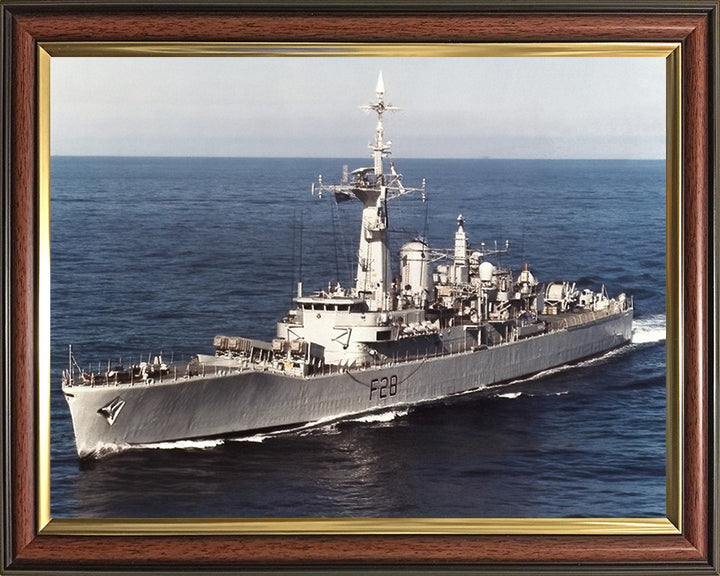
(365, 179)
(379, 107)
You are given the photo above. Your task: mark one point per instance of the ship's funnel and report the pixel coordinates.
(415, 273)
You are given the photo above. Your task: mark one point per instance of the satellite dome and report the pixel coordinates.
(486, 272)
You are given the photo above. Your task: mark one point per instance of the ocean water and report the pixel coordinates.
(152, 255)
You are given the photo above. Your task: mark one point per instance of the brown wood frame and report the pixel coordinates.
(692, 23)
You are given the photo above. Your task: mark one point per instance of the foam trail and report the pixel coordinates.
(509, 395)
(258, 438)
(649, 330)
(107, 449)
(387, 416)
(332, 427)
(103, 449)
(325, 424)
(180, 445)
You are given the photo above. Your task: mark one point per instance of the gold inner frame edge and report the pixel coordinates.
(409, 526)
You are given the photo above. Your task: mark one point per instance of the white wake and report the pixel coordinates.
(649, 330)
(181, 445)
(385, 416)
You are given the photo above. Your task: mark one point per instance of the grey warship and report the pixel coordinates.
(447, 322)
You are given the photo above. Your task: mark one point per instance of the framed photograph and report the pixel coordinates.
(586, 128)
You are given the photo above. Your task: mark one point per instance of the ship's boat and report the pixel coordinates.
(449, 322)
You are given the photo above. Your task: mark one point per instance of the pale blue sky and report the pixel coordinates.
(465, 107)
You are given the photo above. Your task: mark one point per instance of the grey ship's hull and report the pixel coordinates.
(241, 402)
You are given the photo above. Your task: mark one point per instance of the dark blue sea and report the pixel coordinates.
(154, 255)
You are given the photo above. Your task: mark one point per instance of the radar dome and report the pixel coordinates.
(486, 272)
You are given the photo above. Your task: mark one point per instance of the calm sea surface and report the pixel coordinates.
(155, 255)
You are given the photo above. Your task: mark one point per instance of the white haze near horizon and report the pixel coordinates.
(466, 107)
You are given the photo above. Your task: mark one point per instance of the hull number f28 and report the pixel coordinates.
(383, 387)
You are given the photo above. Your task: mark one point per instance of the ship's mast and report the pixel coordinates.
(373, 187)
(373, 270)
(379, 149)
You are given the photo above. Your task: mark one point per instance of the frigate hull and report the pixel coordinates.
(108, 417)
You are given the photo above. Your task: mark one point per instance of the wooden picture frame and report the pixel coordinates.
(686, 544)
